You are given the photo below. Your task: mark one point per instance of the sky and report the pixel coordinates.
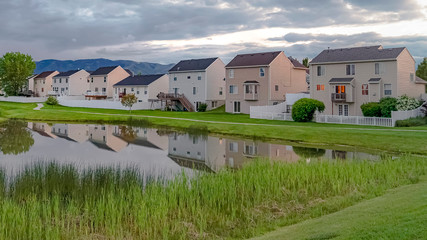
(167, 31)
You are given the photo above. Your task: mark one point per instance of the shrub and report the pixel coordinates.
(388, 104)
(202, 107)
(51, 101)
(405, 103)
(303, 110)
(412, 122)
(372, 109)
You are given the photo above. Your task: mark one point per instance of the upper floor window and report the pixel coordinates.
(54, 80)
(411, 77)
(145, 92)
(60, 80)
(199, 77)
(220, 91)
(350, 69)
(320, 87)
(174, 78)
(262, 72)
(379, 68)
(276, 88)
(66, 80)
(188, 77)
(194, 90)
(340, 89)
(320, 70)
(91, 79)
(364, 89)
(387, 89)
(231, 73)
(233, 89)
(132, 89)
(43, 81)
(105, 79)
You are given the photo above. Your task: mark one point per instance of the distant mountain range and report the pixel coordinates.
(93, 64)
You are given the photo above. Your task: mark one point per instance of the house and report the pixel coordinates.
(145, 87)
(43, 83)
(196, 81)
(102, 80)
(29, 86)
(344, 79)
(260, 79)
(70, 83)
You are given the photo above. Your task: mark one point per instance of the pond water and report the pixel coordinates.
(158, 151)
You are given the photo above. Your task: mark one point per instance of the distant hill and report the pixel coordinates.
(93, 64)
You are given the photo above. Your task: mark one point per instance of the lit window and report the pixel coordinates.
(320, 87)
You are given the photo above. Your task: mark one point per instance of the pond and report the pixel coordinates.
(158, 151)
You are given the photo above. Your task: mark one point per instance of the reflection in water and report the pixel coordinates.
(15, 138)
(164, 150)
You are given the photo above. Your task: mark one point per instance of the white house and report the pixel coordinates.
(145, 87)
(71, 83)
(199, 81)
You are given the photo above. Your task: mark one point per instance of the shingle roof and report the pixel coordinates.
(193, 65)
(103, 70)
(129, 71)
(296, 63)
(374, 80)
(251, 81)
(253, 59)
(143, 80)
(357, 54)
(420, 80)
(66, 74)
(340, 80)
(44, 74)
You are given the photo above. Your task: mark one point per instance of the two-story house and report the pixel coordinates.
(70, 83)
(43, 83)
(262, 79)
(199, 81)
(102, 80)
(145, 87)
(344, 79)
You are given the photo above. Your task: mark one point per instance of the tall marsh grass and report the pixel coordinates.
(50, 201)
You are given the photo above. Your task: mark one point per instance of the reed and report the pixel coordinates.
(51, 201)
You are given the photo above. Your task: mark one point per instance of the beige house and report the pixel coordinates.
(101, 81)
(344, 79)
(261, 79)
(43, 83)
(70, 83)
(144, 87)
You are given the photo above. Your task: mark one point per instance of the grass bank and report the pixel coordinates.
(401, 140)
(58, 202)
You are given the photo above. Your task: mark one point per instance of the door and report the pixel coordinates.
(236, 107)
(175, 91)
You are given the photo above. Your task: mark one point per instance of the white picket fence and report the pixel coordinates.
(356, 120)
(271, 116)
(22, 99)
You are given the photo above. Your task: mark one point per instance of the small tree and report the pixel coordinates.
(15, 68)
(303, 110)
(388, 104)
(129, 100)
(52, 101)
(305, 62)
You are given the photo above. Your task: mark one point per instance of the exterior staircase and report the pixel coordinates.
(172, 97)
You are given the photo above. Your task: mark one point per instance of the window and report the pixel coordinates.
(231, 73)
(199, 77)
(340, 110)
(43, 81)
(54, 80)
(276, 88)
(139, 100)
(195, 140)
(233, 147)
(66, 80)
(103, 138)
(236, 107)
(42, 89)
(145, 92)
(105, 79)
(411, 77)
(320, 87)
(194, 90)
(96, 89)
(88, 80)
(233, 89)
(261, 72)
(188, 77)
(91, 79)
(248, 89)
(340, 89)
(320, 70)
(174, 149)
(132, 89)
(379, 68)
(66, 88)
(174, 78)
(345, 110)
(137, 92)
(387, 89)
(364, 89)
(104, 90)
(350, 69)
(115, 90)
(214, 104)
(60, 80)
(220, 91)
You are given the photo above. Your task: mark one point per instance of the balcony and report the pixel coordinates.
(251, 96)
(338, 97)
(53, 93)
(95, 95)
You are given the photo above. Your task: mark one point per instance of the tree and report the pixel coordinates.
(422, 70)
(305, 62)
(15, 68)
(52, 101)
(14, 137)
(372, 109)
(129, 100)
(388, 104)
(303, 110)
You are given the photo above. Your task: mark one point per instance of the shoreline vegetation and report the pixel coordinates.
(52, 201)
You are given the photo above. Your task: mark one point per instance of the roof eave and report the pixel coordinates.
(355, 61)
(203, 70)
(250, 66)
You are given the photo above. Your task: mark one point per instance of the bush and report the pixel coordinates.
(202, 107)
(388, 105)
(411, 122)
(372, 109)
(405, 103)
(303, 110)
(51, 101)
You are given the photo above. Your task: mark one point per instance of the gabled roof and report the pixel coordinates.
(374, 80)
(341, 80)
(143, 80)
(357, 54)
(129, 71)
(193, 65)
(67, 74)
(32, 76)
(44, 74)
(253, 59)
(296, 63)
(419, 80)
(103, 70)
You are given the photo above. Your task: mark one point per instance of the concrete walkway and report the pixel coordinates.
(39, 106)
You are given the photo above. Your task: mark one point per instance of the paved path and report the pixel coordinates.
(247, 124)
(39, 106)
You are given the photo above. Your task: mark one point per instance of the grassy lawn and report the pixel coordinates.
(361, 138)
(399, 214)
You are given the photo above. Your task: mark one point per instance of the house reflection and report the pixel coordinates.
(102, 137)
(43, 129)
(71, 132)
(146, 137)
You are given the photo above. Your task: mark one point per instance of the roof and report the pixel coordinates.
(32, 76)
(129, 71)
(67, 74)
(296, 63)
(44, 74)
(341, 80)
(103, 70)
(193, 65)
(253, 59)
(419, 80)
(357, 54)
(374, 80)
(251, 81)
(139, 80)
